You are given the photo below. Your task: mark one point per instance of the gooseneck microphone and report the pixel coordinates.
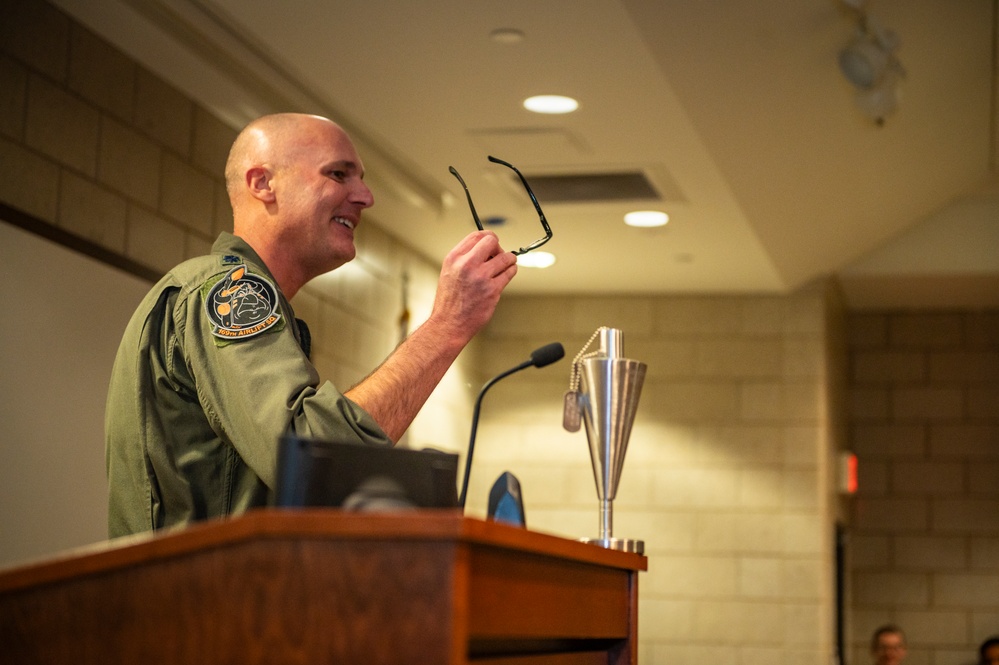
(546, 355)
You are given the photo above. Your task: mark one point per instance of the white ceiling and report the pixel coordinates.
(736, 111)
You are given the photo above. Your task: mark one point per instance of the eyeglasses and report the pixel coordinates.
(537, 206)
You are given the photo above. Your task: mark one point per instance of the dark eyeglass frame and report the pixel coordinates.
(534, 199)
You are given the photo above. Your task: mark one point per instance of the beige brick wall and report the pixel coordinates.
(925, 426)
(727, 475)
(102, 149)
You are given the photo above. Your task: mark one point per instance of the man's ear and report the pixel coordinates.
(258, 183)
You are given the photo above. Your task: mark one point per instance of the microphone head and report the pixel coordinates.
(547, 354)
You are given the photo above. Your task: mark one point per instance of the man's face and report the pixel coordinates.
(321, 195)
(991, 655)
(890, 649)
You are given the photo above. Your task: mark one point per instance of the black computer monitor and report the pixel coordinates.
(362, 477)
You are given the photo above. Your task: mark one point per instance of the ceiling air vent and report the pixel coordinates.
(592, 187)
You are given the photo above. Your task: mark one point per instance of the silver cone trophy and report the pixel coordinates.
(610, 386)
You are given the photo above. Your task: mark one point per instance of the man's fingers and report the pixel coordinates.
(475, 240)
(482, 248)
(508, 274)
(502, 263)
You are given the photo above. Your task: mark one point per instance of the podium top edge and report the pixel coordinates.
(438, 525)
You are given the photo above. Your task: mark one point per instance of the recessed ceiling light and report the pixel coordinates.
(646, 218)
(551, 104)
(536, 259)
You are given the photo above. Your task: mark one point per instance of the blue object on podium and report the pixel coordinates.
(505, 501)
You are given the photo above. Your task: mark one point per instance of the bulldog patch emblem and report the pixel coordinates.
(241, 305)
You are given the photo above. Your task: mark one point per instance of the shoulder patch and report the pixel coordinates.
(240, 305)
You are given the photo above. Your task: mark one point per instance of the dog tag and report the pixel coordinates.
(570, 411)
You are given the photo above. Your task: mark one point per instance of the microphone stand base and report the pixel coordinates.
(619, 544)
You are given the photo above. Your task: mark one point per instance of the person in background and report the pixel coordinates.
(214, 367)
(888, 645)
(988, 652)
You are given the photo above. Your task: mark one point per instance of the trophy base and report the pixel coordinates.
(619, 544)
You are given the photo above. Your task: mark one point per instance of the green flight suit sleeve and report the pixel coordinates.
(255, 390)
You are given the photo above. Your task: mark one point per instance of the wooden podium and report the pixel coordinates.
(320, 586)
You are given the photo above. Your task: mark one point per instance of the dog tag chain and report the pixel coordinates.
(570, 401)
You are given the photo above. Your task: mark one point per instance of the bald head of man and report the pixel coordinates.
(295, 182)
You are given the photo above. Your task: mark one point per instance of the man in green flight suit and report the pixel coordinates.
(214, 367)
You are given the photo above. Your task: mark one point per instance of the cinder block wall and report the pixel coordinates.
(925, 426)
(97, 146)
(727, 476)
